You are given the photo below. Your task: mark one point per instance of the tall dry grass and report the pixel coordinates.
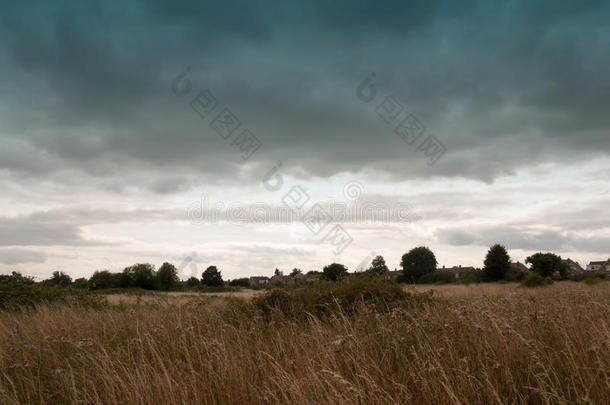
(546, 346)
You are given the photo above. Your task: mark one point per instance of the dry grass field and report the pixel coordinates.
(477, 344)
(177, 298)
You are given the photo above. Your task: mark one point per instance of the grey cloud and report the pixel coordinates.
(87, 216)
(523, 238)
(62, 227)
(170, 185)
(23, 231)
(21, 256)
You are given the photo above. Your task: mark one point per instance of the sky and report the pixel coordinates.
(254, 136)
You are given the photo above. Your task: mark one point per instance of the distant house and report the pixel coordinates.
(393, 275)
(288, 280)
(313, 276)
(259, 281)
(573, 268)
(280, 279)
(597, 266)
(519, 267)
(606, 268)
(457, 271)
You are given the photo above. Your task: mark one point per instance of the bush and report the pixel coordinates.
(334, 272)
(589, 279)
(594, 280)
(324, 298)
(536, 280)
(437, 277)
(214, 289)
(80, 283)
(470, 277)
(192, 282)
(514, 275)
(17, 292)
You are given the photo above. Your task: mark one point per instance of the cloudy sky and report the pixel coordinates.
(205, 132)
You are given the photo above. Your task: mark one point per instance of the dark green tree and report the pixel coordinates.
(497, 263)
(125, 279)
(59, 279)
(211, 277)
(80, 283)
(240, 282)
(167, 276)
(546, 264)
(417, 262)
(104, 279)
(295, 271)
(334, 271)
(141, 275)
(378, 267)
(16, 278)
(192, 282)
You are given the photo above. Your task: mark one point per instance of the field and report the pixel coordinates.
(481, 344)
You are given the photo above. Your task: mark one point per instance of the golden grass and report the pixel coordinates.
(478, 344)
(176, 298)
(493, 289)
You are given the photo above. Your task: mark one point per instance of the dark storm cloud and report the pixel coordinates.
(502, 84)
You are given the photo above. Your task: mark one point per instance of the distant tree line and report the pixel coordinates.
(141, 275)
(419, 265)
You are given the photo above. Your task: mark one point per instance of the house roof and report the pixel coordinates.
(573, 267)
(289, 278)
(519, 266)
(457, 269)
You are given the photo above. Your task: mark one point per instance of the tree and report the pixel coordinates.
(295, 271)
(16, 278)
(124, 279)
(103, 279)
(277, 272)
(60, 279)
(80, 282)
(546, 264)
(167, 276)
(417, 262)
(141, 275)
(334, 271)
(240, 282)
(212, 277)
(192, 282)
(378, 267)
(497, 263)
